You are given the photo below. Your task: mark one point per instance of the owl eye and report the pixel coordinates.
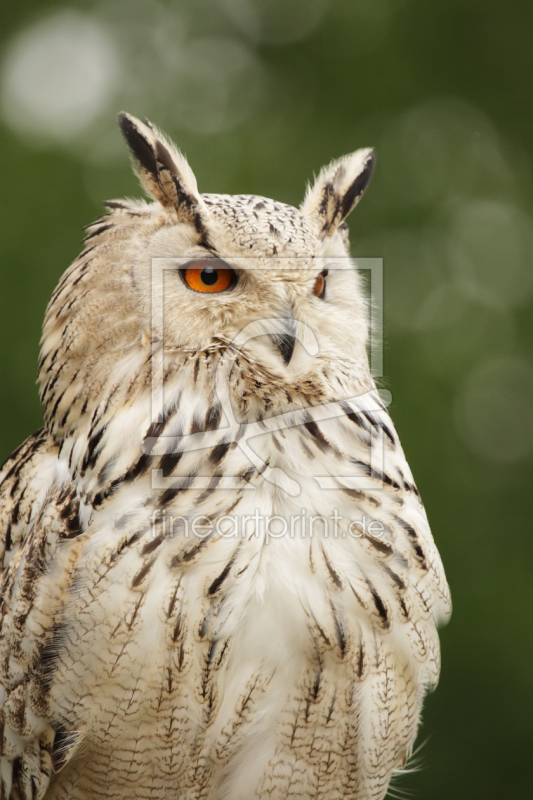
(208, 276)
(320, 285)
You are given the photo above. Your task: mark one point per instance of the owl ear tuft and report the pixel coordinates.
(162, 169)
(338, 189)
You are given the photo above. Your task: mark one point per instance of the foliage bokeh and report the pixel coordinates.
(260, 95)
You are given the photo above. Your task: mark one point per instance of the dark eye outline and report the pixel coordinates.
(323, 275)
(208, 263)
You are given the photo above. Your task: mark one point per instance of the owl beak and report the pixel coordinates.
(284, 343)
(285, 340)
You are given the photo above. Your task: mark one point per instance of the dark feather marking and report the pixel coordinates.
(233, 505)
(212, 418)
(380, 605)
(173, 599)
(16, 510)
(86, 252)
(135, 471)
(181, 658)
(196, 425)
(123, 544)
(217, 583)
(177, 628)
(77, 298)
(316, 686)
(277, 444)
(361, 660)
(7, 541)
(63, 420)
(413, 539)
(138, 604)
(202, 631)
(375, 474)
(339, 630)
(98, 231)
(51, 382)
(56, 404)
(18, 464)
(138, 469)
(156, 429)
(139, 146)
(358, 597)
(91, 454)
(354, 192)
(70, 514)
(82, 272)
(168, 496)
(190, 554)
(263, 467)
(354, 417)
(381, 547)
(334, 575)
(143, 572)
(396, 578)
(378, 423)
(98, 221)
(152, 545)
(218, 452)
(361, 497)
(320, 440)
(52, 646)
(117, 204)
(213, 483)
(184, 199)
(168, 462)
(320, 629)
(330, 710)
(98, 499)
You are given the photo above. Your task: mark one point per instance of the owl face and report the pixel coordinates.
(192, 273)
(269, 279)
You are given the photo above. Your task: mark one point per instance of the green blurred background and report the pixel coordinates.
(260, 94)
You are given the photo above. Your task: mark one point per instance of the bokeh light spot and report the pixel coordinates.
(58, 76)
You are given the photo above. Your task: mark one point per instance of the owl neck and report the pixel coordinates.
(117, 429)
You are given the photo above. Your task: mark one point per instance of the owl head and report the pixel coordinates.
(199, 272)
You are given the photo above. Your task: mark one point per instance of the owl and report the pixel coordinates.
(218, 578)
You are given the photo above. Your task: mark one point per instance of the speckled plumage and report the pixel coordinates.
(140, 661)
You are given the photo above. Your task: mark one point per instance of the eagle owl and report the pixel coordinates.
(218, 577)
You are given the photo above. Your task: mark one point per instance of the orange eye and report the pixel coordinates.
(208, 276)
(320, 285)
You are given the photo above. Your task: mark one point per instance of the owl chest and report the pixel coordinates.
(187, 663)
(189, 631)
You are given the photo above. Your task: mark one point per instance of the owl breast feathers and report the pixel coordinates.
(218, 577)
